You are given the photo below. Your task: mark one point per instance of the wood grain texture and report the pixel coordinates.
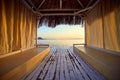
(63, 64)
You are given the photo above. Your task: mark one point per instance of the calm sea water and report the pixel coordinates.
(61, 43)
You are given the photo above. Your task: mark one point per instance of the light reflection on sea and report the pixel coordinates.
(61, 43)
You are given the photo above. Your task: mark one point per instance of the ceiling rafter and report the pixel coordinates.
(37, 10)
(61, 14)
(28, 5)
(32, 4)
(58, 9)
(85, 9)
(41, 4)
(80, 3)
(95, 3)
(89, 3)
(60, 4)
(88, 8)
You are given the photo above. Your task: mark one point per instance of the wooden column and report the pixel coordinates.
(38, 19)
(85, 31)
(60, 4)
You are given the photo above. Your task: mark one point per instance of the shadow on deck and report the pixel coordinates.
(63, 64)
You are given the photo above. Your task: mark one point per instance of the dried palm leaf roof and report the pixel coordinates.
(54, 12)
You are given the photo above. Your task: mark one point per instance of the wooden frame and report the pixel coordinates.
(37, 12)
(59, 10)
(80, 3)
(60, 4)
(88, 8)
(89, 3)
(41, 4)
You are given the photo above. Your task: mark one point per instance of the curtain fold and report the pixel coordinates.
(103, 25)
(94, 28)
(17, 26)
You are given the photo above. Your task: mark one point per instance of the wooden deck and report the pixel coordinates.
(63, 64)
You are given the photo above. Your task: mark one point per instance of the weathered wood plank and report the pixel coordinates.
(70, 67)
(93, 74)
(45, 70)
(67, 75)
(64, 64)
(57, 77)
(51, 71)
(36, 72)
(84, 74)
(61, 66)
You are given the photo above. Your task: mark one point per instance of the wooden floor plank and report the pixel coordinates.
(84, 74)
(45, 70)
(67, 75)
(62, 77)
(70, 67)
(40, 68)
(51, 71)
(64, 64)
(94, 75)
(57, 77)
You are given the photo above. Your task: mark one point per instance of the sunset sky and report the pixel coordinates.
(61, 32)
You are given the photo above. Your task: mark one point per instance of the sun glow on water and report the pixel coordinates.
(62, 32)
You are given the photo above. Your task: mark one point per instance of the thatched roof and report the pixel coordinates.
(54, 12)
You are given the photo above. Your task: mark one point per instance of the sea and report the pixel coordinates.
(61, 43)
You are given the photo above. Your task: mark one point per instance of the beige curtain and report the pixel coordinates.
(103, 25)
(17, 26)
(111, 18)
(94, 29)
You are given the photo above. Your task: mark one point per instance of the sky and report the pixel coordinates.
(61, 32)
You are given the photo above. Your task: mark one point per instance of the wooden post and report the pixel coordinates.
(38, 19)
(60, 4)
(85, 31)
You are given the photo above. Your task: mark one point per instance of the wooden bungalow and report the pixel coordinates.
(20, 53)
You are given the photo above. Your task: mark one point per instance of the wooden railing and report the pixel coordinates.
(78, 44)
(42, 45)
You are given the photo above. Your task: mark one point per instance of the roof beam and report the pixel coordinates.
(83, 10)
(36, 12)
(88, 8)
(80, 3)
(41, 4)
(89, 3)
(62, 14)
(32, 4)
(95, 3)
(25, 2)
(58, 9)
(60, 4)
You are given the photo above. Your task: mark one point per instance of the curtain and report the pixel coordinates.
(103, 25)
(17, 26)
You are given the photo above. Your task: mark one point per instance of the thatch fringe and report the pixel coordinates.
(52, 21)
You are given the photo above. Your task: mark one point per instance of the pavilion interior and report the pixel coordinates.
(20, 19)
